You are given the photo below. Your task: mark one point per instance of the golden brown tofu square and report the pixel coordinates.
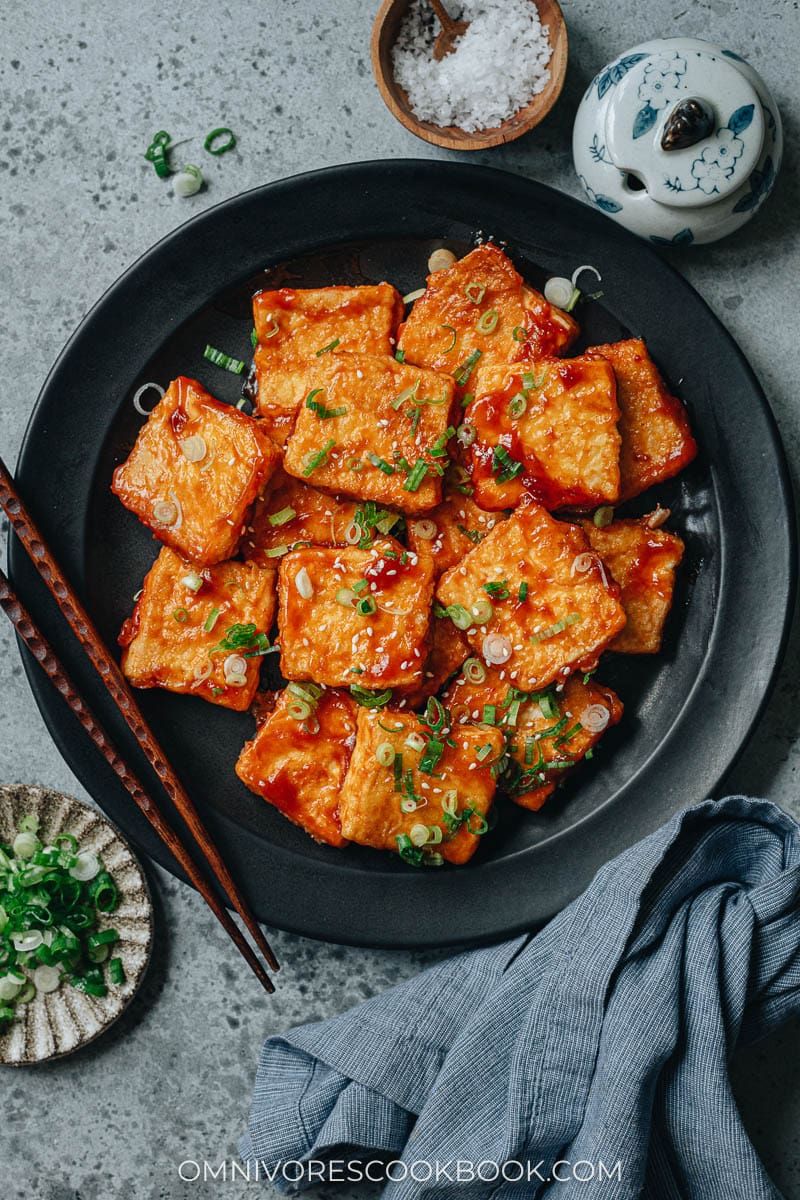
(547, 428)
(534, 599)
(374, 429)
(448, 649)
(451, 530)
(657, 442)
(407, 790)
(201, 630)
(642, 560)
(194, 472)
(291, 514)
(297, 327)
(298, 763)
(547, 732)
(477, 315)
(355, 617)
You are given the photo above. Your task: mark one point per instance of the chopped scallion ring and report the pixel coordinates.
(367, 606)
(346, 597)
(488, 321)
(211, 143)
(192, 581)
(517, 405)
(474, 671)
(211, 620)
(369, 699)
(475, 292)
(385, 754)
(137, 398)
(519, 333)
(459, 616)
(187, 181)
(453, 339)
(603, 516)
(380, 463)
(415, 478)
(465, 369)
(180, 615)
(330, 346)
(481, 612)
(504, 466)
(220, 359)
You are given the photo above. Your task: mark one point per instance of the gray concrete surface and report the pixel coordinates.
(82, 88)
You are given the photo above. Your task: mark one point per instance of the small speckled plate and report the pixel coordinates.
(54, 1025)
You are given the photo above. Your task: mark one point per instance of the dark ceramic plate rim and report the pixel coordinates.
(388, 199)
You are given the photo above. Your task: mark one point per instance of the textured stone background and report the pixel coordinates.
(82, 88)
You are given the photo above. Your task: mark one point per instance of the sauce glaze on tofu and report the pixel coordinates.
(299, 765)
(296, 327)
(548, 429)
(194, 472)
(355, 617)
(462, 776)
(550, 608)
(375, 429)
(200, 630)
(643, 561)
(477, 315)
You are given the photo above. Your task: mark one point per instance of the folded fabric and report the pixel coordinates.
(589, 1059)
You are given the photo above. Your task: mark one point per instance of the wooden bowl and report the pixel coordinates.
(384, 36)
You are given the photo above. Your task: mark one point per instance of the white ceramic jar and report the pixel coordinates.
(679, 140)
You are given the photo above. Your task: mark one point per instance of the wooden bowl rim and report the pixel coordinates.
(452, 137)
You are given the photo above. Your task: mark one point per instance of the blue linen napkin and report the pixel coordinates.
(603, 1039)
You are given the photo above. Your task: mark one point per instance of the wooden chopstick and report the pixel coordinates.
(117, 687)
(44, 654)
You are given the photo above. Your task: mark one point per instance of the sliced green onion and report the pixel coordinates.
(418, 473)
(385, 754)
(380, 463)
(370, 699)
(519, 333)
(211, 620)
(489, 714)
(483, 752)
(459, 616)
(359, 587)
(367, 606)
(192, 581)
(430, 759)
(481, 612)
(180, 615)
(504, 466)
(548, 706)
(156, 153)
(603, 516)
(25, 844)
(408, 393)
(219, 359)
(277, 551)
(321, 411)
(475, 292)
(330, 346)
(465, 369)
(488, 321)
(299, 710)
(517, 405)
(211, 142)
(522, 594)
(282, 516)
(552, 630)
(415, 741)
(454, 338)
(400, 355)
(439, 447)
(253, 338)
(30, 824)
(346, 597)
(474, 671)
(497, 589)
(116, 971)
(318, 459)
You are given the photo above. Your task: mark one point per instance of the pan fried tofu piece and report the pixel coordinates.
(448, 650)
(297, 327)
(451, 530)
(549, 429)
(374, 429)
(657, 442)
(194, 472)
(372, 793)
(193, 629)
(355, 617)
(548, 733)
(549, 609)
(291, 514)
(478, 315)
(301, 772)
(643, 562)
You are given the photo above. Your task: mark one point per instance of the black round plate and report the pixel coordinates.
(688, 711)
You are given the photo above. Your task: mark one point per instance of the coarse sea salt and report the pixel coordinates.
(498, 65)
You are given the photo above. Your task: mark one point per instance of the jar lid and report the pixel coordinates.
(687, 123)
